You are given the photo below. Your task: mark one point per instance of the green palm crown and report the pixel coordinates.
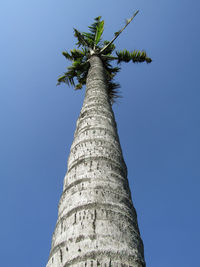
(91, 44)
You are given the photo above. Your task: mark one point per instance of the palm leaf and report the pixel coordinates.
(136, 56)
(67, 56)
(99, 32)
(81, 39)
(89, 35)
(78, 86)
(77, 54)
(113, 91)
(66, 78)
(89, 38)
(93, 27)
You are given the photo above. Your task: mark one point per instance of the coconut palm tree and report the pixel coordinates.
(97, 223)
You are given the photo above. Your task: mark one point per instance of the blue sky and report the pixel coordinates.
(158, 122)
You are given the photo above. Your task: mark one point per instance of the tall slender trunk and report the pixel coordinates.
(97, 223)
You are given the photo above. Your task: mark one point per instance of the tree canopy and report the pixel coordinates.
(91, 43)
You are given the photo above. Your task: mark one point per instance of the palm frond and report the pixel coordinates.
(109, 49)
(96, 30)
(120, 31)
(81, 39)
(75, 54)
(123, 56)
(89, 37)
(78, 71)
(135, 56)
(78, 86)
(93, 27)
(67, 55)
(99, 32)
(113, 91)
(110, 71)
(67, 78)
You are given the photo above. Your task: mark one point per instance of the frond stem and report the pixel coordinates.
(128, 22)
(109, 57)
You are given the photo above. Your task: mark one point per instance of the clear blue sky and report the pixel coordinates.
(158, 122)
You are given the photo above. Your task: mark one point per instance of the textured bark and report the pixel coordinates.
(97, 223)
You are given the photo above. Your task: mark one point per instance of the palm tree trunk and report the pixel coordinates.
(97, 223)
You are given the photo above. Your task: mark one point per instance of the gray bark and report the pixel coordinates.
(97, 223)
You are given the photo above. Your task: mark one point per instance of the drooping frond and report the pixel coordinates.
(110, 70)
(67, 78)
(113, 91)
(110, 73)
(135, 56)
(77, 72)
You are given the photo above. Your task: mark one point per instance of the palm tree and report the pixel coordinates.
(97, 223)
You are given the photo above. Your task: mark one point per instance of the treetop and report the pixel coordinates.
(91, 43)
